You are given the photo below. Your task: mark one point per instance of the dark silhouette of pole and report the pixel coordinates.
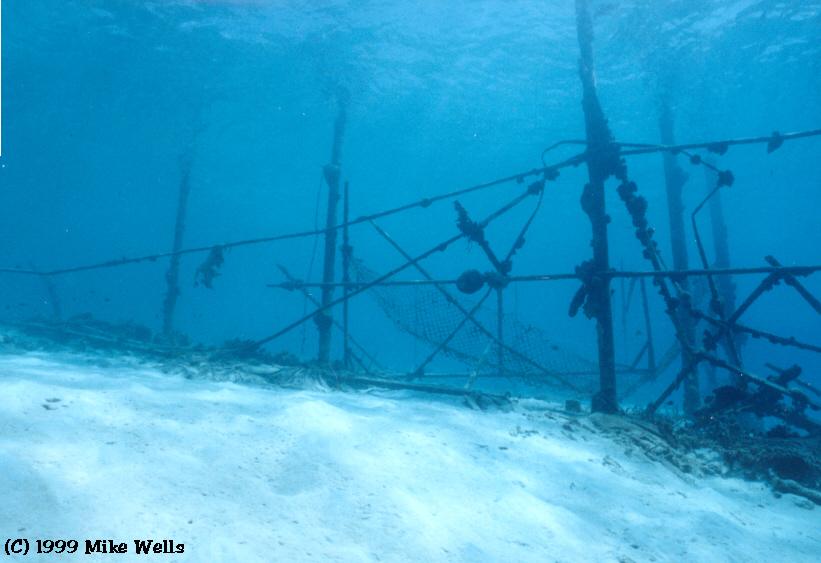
(53, 296)
(721, 246)
(332, 173)
(674, 180)
(724, 284)
(648, 328)
(346, 276)
(601, 153)
(172, 275)
(500, 329)
(351, 340)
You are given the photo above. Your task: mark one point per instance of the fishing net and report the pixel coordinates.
(427, 314)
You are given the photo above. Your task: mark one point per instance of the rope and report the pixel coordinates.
(421, 203)
(773, 142)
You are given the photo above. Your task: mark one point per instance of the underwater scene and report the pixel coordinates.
(410, 281)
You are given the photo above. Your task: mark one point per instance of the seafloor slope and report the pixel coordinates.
(249, 473)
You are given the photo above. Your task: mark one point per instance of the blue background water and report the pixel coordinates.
(102, 98)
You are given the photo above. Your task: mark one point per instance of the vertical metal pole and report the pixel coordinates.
(602, 161)
(500, 329)
(346, 275)
(51, 292)
(648, 328)
(726, 287)
(625, 308)
(674, 180)
(332, 174)
(53, 298)
(173, 273)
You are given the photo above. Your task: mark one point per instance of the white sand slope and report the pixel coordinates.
(243, 473)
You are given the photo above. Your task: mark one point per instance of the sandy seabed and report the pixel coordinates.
(248, 473)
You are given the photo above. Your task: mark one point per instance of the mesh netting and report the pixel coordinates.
(427, 314)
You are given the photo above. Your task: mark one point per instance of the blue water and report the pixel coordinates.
(102, 100)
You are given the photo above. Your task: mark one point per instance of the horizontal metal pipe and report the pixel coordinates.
(794, 270)
(726, 143)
